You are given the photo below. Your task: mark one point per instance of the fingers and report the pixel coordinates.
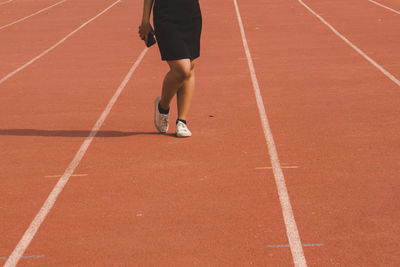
(144, 31)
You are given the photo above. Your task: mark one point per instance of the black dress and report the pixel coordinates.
(177, 26)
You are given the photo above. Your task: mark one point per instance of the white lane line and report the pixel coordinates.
(51, 199)
(73, 175)
(358, 50)
(287, 211)
(379, 4)
(55, 45)
(31, 15)
(6, 2)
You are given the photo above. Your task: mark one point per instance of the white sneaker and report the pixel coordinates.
(160, 120)
(182, 130)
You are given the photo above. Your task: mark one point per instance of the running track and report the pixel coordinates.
(138, 198)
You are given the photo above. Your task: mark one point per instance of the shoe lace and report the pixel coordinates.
(164, 120)
(182, 127)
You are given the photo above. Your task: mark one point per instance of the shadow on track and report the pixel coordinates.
(73, 133)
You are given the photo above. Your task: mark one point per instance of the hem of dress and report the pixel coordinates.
(178, 58)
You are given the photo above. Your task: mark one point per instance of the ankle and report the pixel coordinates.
(178, 120)
(162, 110)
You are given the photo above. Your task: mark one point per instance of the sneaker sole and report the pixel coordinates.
(183, 135)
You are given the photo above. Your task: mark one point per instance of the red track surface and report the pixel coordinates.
(154, 200)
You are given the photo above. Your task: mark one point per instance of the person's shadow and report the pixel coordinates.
(73, 133)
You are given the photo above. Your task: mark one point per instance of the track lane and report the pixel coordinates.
(9, 24)
(54, 46)
(33, 228)
(18, 9)
(371, 28)
(43, 32)
(385, 6)
(352, 45)
(287, 211)
(53, 105)
(336, 117)
(390, 3)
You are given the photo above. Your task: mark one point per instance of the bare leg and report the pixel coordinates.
(180, 71)
(184, 94)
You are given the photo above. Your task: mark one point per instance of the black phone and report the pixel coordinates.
(150, 40)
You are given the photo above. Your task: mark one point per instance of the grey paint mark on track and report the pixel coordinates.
(304, 245)
(26, 257)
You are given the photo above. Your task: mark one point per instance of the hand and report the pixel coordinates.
(144, 31)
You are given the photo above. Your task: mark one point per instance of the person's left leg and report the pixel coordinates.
(180, 71)
(185, 94)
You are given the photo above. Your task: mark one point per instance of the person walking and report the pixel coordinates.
(177, 27)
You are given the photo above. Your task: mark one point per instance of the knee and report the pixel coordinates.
(182, 74)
